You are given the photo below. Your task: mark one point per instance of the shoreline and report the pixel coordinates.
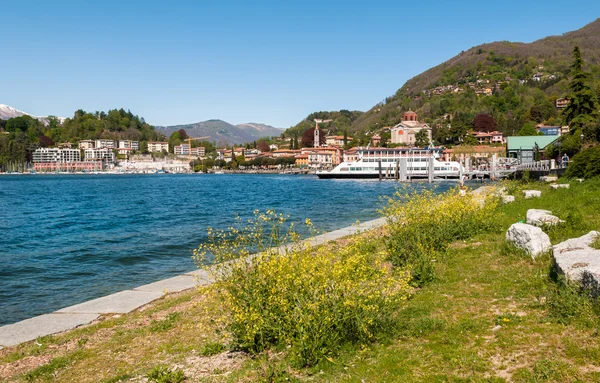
(126, 301)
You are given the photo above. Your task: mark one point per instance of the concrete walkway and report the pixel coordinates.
(126, 301)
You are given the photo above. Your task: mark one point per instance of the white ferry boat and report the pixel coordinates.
(391, 159)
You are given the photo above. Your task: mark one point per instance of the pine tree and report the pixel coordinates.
(582, 112)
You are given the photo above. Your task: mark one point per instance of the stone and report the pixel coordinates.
(549, 178)
(532, 193)
(508, 198)
(580, 180)
(579, 262)
(540, 217)
(529, 238)
(560, 186)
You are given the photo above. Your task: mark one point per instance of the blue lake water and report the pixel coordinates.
(65, 239)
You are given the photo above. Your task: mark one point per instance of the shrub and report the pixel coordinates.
(163, 374)
(585, 164)
(423, 223)
(310, 300)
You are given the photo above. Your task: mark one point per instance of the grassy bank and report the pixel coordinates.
(484, 313)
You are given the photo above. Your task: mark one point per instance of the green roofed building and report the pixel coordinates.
(525, 147)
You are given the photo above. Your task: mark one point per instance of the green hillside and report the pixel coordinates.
(456, 88)
(20, 136)
(508, 69)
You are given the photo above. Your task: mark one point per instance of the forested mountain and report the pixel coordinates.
(516, 83)
(223, 133)
(522, 81)
(258, 130)
(22, 135)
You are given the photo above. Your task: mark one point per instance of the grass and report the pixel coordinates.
(492, 314)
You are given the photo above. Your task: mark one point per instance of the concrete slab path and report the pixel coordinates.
(126, 301)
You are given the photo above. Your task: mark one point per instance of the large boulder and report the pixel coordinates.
(540, 217)
(579, 262)
(529, 238)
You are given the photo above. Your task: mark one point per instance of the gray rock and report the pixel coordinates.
(532, 193)
(539, 217)
(549, 178)
(560, 186)
(529, 238)
(579, 262)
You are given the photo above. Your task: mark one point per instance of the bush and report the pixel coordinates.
(310, 300)
(163, 374)
(423, 223)
(586, 164)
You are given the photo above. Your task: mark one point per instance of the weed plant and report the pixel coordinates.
(422, 224)
(163, 374)
(307, 301)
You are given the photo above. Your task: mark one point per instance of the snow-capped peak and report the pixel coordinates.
(7, 111)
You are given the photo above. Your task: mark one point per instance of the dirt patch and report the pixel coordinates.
(23, 365)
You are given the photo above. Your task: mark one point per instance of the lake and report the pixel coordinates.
(66, 239)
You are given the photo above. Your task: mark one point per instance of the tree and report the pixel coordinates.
(262, 146)
(183, 134)
(308, 137)
(484, 123)
(582, 112)
(529, 130)
(174, 140)
(422, 138)
(18, 124)
(46, 141)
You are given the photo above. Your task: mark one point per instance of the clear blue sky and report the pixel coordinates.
(275, 62)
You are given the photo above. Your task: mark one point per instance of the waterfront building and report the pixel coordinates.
(61, 159)
(158, 146)
(56, 155)
(104, 155)
(460, 153)
(525, 148)
(86, 144)
(320, 159)
(287, 152)
(351, 155)
(404, 132)
(336, 154)
(302, 160)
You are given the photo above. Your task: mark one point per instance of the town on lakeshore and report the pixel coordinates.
(320, 153)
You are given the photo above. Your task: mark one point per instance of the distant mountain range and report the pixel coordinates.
(7, 112)
(222, 132)
(218, 131)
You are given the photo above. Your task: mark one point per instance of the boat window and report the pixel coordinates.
(343, 169)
